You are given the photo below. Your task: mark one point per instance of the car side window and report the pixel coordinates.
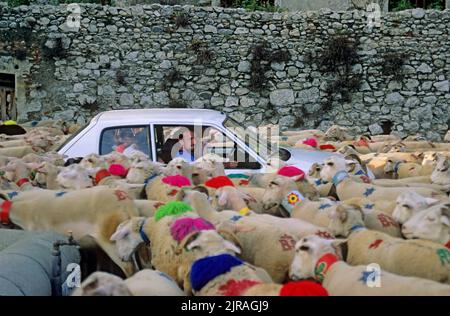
(215, 142)
(125, 139)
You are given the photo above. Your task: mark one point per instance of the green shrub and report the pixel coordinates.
(16, 3)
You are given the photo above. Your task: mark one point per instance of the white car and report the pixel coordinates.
(156, 132)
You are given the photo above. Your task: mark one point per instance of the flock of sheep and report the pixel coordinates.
(286, 232)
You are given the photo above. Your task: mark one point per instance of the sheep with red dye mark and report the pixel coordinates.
(165, 188)
(322, 260)
(419, 258)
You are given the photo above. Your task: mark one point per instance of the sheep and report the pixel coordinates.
(229, 197)
(346, 188)
(318, 213)
(441, 173)
(322, 259)
(418, 258)
(74, 177)
(338, 133)
(410, 203)
(402, 169)
(168, 255)
(88, 212)
(178, 166)
(144, 283)
(266, 241)
(307, 187)
(19, 151)
(431, 224)
(220, 273)
(164, 188)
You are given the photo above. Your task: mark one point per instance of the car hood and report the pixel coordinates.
(304, 159)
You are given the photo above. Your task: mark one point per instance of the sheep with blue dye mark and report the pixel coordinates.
(322, 260)
(267, 241)
(419, 258)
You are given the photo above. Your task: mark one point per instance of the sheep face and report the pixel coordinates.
(139, 171)
(102, 284)
(441, 173)
(275, 192)
(343, 218)
(210, 243)
(410, 203)
(178, 166)
(389, 167)
(74, 177)
(93, 161)
(332, 166)
(432, 224)
(200, 175)
(314, 170)
(127, 237)
(308, 251)
(336, 132)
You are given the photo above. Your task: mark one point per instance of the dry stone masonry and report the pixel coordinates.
(204, 57)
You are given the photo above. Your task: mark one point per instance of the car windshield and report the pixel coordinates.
(254, 138)
(72, 136)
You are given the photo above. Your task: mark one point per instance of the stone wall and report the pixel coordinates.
(336, 5)
(138, 57)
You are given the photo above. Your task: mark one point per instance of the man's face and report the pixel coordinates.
(188, 142)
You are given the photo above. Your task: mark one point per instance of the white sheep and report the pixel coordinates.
(430, 224)
(409, 203)
(322, 259)
(144, 283)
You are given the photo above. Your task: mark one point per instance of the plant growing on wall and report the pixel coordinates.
(16, 3)
(55, 49)
(201, 49)
(181, 19)
(392, 65)
(336, 60)
(251, 5)
(263, 56)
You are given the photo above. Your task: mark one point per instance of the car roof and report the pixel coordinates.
(162, 115)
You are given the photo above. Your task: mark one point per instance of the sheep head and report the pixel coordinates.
(273, 195)
(431, 224)
(127, 237)
(331, 166)
(410, 203)
(344, 218)
(308, 251)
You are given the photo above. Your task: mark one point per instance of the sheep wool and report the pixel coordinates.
(311, 142)
(103, 173)
(184, 226)
(327, 147)
(219, 182)
(303, 288)
(172, 209)
(291, 171)
(205, 269)
(177, 181)
(118, 170)
(418, 258)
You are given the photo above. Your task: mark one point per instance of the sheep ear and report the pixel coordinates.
(119, 233)
(231, 240)
(431, 201)
(351, 165)
(341, 213)
(230, 246)
(189, 242)
(445, 218)
(223, 198)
